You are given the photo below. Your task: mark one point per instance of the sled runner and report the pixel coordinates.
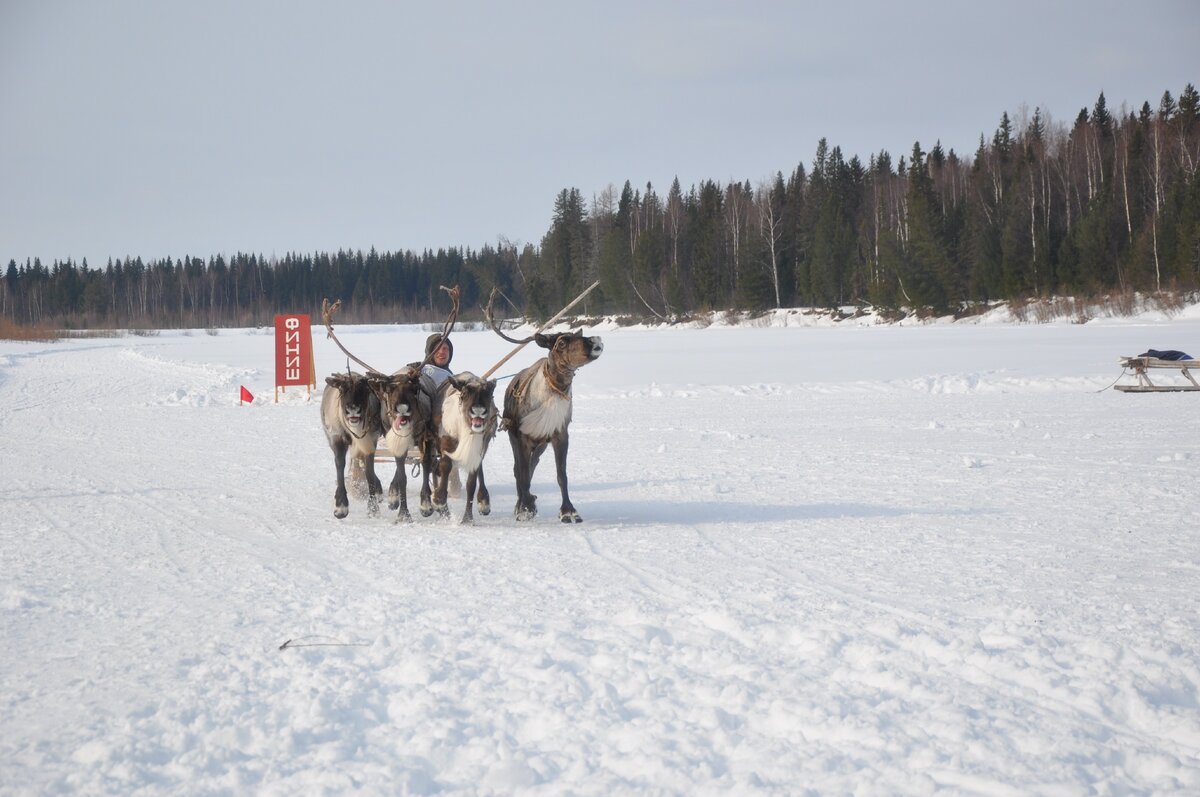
(1141, 364)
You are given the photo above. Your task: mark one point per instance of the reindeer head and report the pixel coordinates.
(477, 400)
(355, 393)
(398, 396)
(571, 350)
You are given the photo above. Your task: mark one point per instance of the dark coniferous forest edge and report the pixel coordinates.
(1108, 204)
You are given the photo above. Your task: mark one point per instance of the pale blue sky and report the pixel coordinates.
(171, 128)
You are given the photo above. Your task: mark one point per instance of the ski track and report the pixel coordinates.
(980, 580)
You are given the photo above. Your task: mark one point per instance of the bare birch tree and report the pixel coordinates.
(769, 211)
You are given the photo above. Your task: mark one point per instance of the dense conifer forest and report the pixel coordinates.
(1107, 203)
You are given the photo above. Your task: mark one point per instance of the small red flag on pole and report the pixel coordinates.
(245, 396)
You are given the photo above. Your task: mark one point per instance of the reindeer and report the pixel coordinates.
(537, 412)
(464, 422)
(406, 421)
(350, 415)
(397, 406)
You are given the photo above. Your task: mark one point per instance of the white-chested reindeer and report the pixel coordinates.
(464, 420)
(537, 412)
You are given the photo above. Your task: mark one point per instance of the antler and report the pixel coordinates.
(327, 311)
(521, 344)
(449, 325)
(487, 313)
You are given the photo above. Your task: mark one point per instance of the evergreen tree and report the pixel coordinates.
(565, 250)
(1101, 118)
(1167, 107)
(929, 273)
(708, 265)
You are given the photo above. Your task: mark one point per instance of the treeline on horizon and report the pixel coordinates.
(1109, 203)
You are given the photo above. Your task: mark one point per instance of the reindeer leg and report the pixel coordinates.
(482, 497)
(341, 504)
(444, 465)
(526, 507)
(426, 469)
(398, 492)
(374, 486)
(566, 513)
(535, 454)
(398, 486)
(468, 517)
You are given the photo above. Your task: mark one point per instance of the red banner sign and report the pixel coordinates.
(293, 350)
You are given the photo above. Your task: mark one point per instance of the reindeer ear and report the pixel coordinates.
(545, 341)
(335, 381)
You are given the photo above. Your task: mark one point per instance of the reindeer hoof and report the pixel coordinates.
(404, 517)
(484, 507)
(426, 511)
(340, 512)
(523, 513)
(570, 517)
(393, 501)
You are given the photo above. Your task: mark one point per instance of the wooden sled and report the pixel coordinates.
(1140, 365)
(413, 457)
(358, 477)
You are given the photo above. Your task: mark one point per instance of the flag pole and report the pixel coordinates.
(559, 315)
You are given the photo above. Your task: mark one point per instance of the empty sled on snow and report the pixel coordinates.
(1141, 364)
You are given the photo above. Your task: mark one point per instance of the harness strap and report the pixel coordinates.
(565, 394)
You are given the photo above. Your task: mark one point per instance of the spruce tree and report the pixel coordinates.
(929, 272)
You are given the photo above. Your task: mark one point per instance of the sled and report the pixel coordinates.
(1140, 365)
(412, 460)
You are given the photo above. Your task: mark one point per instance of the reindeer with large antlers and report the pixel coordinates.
(537, 410)
(464, 419)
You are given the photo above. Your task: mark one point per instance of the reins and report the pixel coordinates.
(327, 311)
(525, 342)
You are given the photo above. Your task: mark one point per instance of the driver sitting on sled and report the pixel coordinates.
(439, 367)
(438, 371)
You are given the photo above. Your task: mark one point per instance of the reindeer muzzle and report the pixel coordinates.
(401, 418)
(478, 418)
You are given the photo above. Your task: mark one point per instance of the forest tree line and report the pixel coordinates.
(1108, 203)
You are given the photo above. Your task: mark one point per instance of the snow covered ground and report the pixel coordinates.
(826, 560)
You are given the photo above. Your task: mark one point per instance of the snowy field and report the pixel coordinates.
(824, 560)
